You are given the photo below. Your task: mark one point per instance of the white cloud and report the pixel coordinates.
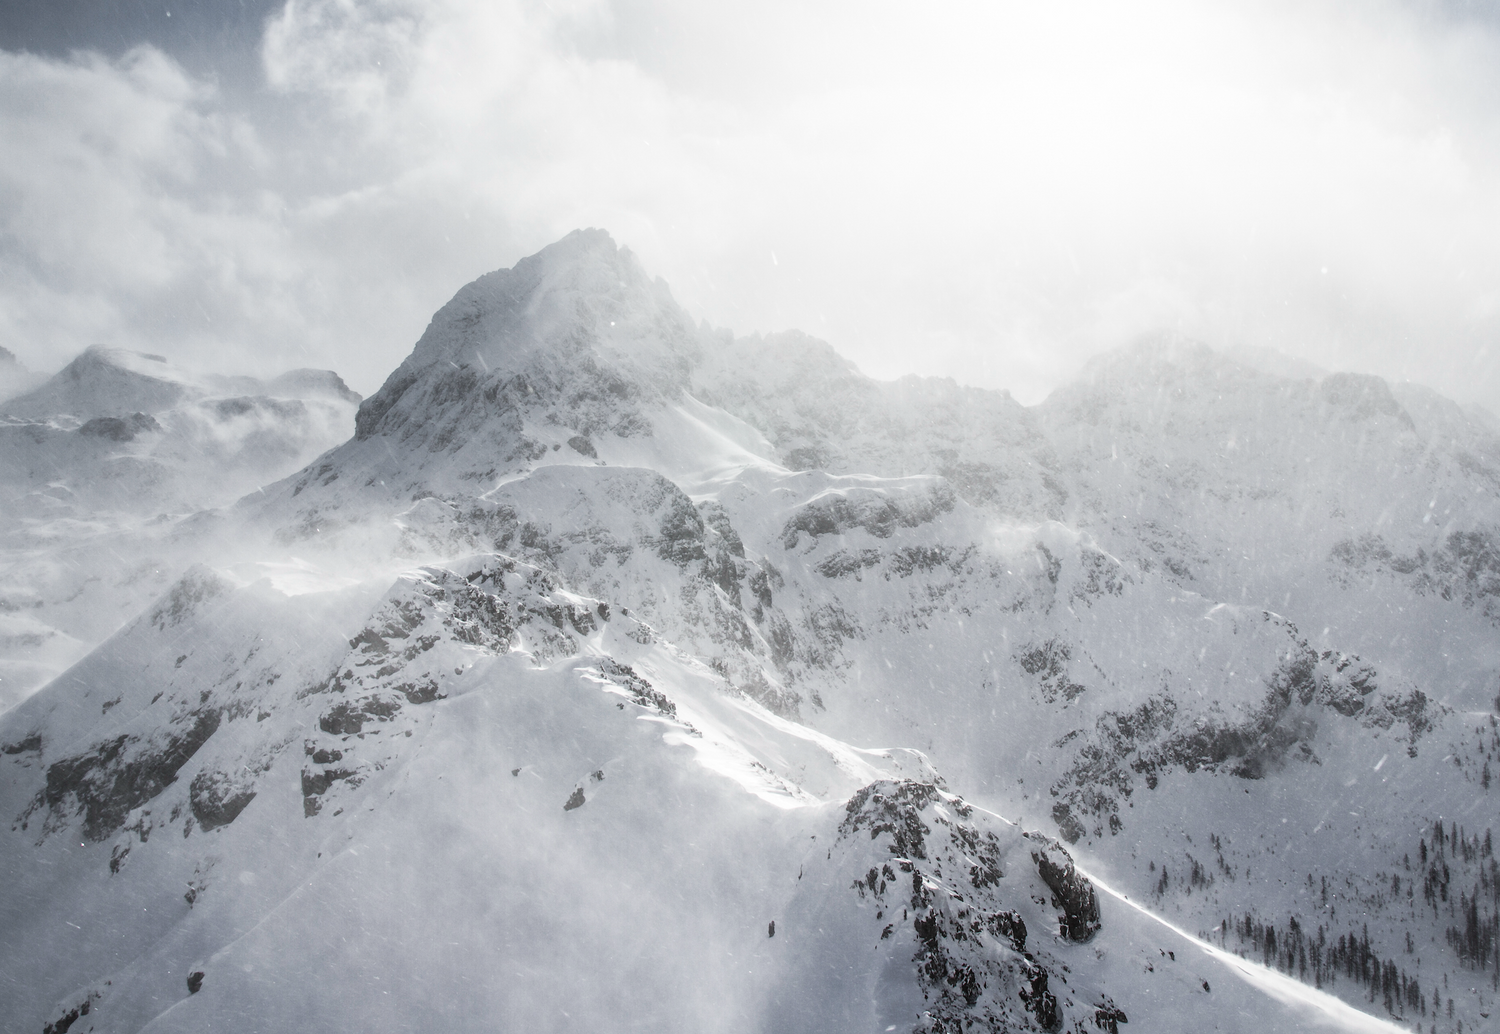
(987, 190)
(115, 224)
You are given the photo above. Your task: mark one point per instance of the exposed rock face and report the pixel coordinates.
(1464, 567)
(217, 798)
(879, 514)
(106, 782)
(120, 429)
(1071, 890)
(944, 870)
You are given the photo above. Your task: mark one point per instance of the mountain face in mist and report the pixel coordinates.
(126, 431)
(14, 377)
(620, 674)
(94, 463)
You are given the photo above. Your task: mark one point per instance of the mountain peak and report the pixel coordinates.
(581, 308)
(124, 358)
(105, 381)
(578, 246)
(583, 283)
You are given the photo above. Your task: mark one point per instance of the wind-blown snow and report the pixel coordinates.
(100, 463)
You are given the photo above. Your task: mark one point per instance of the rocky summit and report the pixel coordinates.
(616, 673)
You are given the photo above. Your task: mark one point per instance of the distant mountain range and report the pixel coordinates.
(545, 701)
(113, 451)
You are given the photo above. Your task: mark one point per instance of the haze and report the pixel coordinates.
(991, 192)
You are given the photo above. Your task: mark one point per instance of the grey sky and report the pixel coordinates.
(208, 36)
(988, 191)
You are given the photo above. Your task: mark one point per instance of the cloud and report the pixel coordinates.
(991, 191)
(133, 215)
(76, 203)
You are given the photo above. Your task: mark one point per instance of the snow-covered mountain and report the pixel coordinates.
(550, 696)
(100, 462)
(126, 431)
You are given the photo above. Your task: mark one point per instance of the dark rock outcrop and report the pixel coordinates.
(1071, 890)
(217, 798)
(119, 429)
(110, 779)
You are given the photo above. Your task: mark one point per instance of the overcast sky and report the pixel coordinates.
(991, 191)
